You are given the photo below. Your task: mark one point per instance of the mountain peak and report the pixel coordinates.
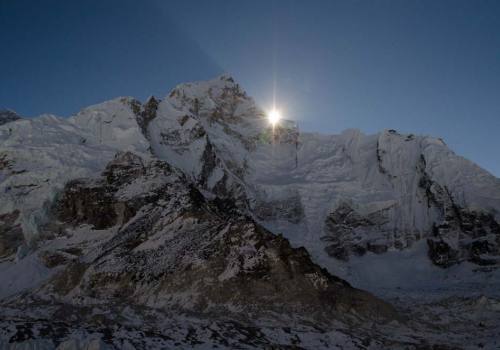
(7, 116)
(202, 86)
(215, 97)
(226, 77)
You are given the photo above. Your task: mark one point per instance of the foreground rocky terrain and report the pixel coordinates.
(191, 222)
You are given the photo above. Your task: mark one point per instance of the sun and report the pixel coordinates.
(274, 116)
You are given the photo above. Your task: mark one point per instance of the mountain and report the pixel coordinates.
(193, 208)
(7, 116)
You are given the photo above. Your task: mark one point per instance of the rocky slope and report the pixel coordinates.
(142, 235)
(171, 247)
(179, 203)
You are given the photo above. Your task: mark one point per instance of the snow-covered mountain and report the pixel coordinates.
(176, 203)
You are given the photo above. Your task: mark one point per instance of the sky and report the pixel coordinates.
(418, 66)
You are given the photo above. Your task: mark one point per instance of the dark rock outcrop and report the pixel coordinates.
(289, 209)
(94, 202)
(474, 235)
(7, 116)
(11, 234)
(348, 232)
(441, 253)
(91, 205)
(147, 114)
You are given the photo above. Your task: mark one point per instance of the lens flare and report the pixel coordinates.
(274, 116)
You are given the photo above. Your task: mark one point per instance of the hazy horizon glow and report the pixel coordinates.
(424, 67)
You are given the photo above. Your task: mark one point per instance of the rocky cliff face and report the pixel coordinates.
(465, 235)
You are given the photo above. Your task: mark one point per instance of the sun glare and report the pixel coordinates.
(274, 116)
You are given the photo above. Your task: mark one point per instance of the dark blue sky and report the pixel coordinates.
(426, 66)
